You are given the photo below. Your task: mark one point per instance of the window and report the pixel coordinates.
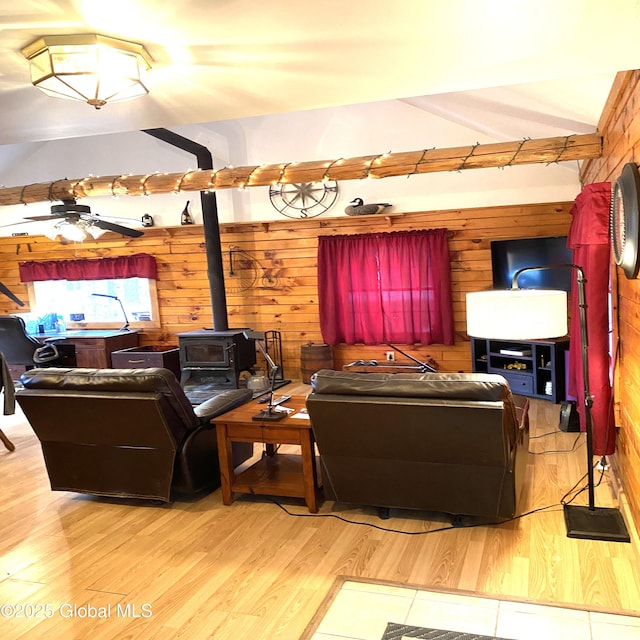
(385, 288)
(103, 293)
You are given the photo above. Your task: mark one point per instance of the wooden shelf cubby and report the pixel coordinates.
(534, 368)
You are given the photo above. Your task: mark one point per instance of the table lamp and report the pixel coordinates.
(536, 314)
(270, 414)
(125, 326)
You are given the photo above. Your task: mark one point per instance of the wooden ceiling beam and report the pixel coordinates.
(385, 165)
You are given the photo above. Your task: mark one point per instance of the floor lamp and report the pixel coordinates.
(535, 314)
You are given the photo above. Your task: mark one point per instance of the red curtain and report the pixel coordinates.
(385, 287)
(589, 239)
(139, 265)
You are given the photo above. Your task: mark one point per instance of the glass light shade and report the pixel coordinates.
(53, 233)
(72, 231)
(94, 232)
(517, 314)
(90, 68)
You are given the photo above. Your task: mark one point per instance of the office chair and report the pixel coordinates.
(18, 347)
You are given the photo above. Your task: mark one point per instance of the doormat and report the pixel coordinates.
(396, 631)
(365, 609)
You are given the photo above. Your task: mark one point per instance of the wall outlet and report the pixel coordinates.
(390, 356)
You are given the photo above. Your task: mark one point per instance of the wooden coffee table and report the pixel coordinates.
(275, 474)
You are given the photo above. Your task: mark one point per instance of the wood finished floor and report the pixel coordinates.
(252, 571)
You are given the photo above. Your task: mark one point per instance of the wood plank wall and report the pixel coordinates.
(620, 128)
(284, 296)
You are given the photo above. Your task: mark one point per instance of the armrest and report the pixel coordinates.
(522, 414)
(221, 403)
(47, 353)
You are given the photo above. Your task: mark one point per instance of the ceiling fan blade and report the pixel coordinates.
(110, 226)
(100, 216)
(15, 224)
(12, 296)
(50, 216)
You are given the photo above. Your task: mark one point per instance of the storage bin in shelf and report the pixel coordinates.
(147, 356)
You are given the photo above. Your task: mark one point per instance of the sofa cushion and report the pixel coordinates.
(459, 386)
(222, 402)
(152, 379)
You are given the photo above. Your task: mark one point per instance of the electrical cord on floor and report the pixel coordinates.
(567, 498)
(544, 435)
(573, 447)
(414, 533)
(564, 500)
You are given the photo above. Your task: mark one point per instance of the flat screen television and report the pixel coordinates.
(508, 256)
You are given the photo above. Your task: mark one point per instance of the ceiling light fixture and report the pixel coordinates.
(88, 67)
(74, 231)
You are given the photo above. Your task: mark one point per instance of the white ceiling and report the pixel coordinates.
(490, 65)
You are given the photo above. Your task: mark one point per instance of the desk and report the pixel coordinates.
(93, 347)
(276, 474)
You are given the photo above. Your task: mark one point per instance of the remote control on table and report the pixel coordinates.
(276, 401)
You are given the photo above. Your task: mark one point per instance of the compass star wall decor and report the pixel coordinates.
(303, 199)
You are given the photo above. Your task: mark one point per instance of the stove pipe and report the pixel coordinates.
(213, 248)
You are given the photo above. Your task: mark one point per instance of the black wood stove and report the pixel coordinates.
(213, 360)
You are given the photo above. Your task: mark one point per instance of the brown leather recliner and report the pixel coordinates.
(450, 442)
(126, 432)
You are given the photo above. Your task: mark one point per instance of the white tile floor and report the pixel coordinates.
(361, 611)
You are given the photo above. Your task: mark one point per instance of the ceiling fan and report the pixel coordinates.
(77, 223)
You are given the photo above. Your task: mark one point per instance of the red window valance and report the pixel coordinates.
(140, 265)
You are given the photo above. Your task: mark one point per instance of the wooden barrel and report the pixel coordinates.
(314, 357)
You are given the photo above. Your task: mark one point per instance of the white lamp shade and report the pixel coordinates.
(517, 314)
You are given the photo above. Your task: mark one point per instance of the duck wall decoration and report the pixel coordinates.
(358, 208)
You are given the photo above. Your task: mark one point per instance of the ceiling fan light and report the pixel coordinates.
(53, 233)
(91, 68)
(95, 232)
(72, 231)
